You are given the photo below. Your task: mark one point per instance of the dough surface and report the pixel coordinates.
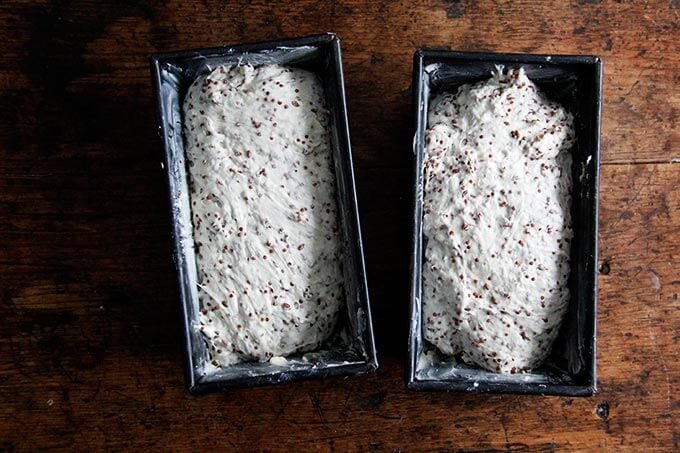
(496, 222)
(264, 212)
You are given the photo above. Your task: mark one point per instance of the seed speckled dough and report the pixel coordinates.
(268, 248)
(497, 222)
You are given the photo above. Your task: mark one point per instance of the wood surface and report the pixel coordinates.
(90, 345)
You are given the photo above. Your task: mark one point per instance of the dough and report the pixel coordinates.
(264, 212)
(496, 222)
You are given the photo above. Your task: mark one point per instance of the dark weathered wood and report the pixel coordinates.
(89, 340)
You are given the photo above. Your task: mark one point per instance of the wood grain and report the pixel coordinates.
(89, 344)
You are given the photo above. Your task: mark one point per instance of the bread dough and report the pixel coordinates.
(496, 222)
(264, 212)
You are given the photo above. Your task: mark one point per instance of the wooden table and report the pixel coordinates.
(90, 346)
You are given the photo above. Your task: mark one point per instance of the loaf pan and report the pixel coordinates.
(351, 350)
(576, 83)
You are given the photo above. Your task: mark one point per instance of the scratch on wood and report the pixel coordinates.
(316, 403)
(505, 433)
(283, 403)
(656, 283)
(655, 343)
(348, 394)
(390, 417)
(634, 198)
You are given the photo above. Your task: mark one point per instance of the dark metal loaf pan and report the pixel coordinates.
(351, 351)
(575, 82)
